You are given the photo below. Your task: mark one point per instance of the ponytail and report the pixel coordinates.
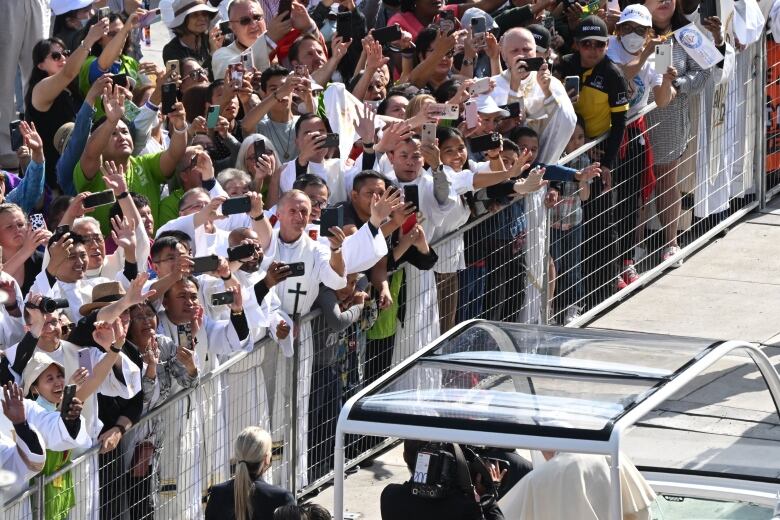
(251, 449)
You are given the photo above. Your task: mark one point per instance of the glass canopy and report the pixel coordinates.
(510, 378)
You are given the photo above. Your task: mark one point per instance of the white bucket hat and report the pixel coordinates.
(174, 12)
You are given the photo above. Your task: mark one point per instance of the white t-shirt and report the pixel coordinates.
(639, 86)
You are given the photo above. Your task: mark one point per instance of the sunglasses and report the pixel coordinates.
(246, 20)
(195, 74)
(592, 44)
(57, 55)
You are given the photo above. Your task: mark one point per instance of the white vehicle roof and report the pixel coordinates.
(534, 387)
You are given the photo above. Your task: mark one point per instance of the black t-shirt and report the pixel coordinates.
(398, 503)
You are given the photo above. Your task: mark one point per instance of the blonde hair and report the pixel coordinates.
(251, 449)
(416, 104)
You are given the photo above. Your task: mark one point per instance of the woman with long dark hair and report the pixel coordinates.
(192, 38)
(247, 496)
(51, 99)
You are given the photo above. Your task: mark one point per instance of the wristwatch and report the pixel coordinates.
(467, 62)
(114, 349)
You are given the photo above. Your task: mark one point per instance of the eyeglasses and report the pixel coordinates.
(195, 74)
(57, 55)
(627, 29)
(67, 328)
(92, 238)
(246, 20)
(319, 204)
(592, 44)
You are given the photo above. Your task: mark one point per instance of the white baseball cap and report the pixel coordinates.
(487, 105)
(59, 7)
(638, 14)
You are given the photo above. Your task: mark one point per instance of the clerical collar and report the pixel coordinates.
(286, 243)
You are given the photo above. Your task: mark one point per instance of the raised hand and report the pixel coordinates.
(299, 17)
(590, 172)
(104, 335)
(187, 358)
(151, 355)
(393, 135)
(277, 272)
(337, 237)
(238, 299)
(431, 154)
(114, 177)
(32, 140)
(79, 377)
(365, 125)
(135, 294)
(340, 47)
(96, 32)
(216, 39)
(123, 233)
(36, 316)
(178, 118)
(58, 252)
(9, 288)
(114, 103)
(532, 183)
(383, 206)
(13, 403)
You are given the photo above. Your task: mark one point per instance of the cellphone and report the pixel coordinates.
(259, 148)
(172, 69)
(344, 25)
(131, 110)
(285, 5)
(331, 141)
(663, 56)
(85, 360)
(472, 113)
(67, 398)
(572, 83)
(412, 194)
(708, 8)
(168, 97)
(236, 77)
(479, 32)
(428, 133)
(103, 12)
(409, 223)
(16, 135)
(330, 217)
(302, 71)
(446, 21)
(481, 86)
(443, 110)
(37, 222)
(205, 264)
(236, 205)
(531, 64)
(222, 298)
(387, 34)
(120, 79)
(240, 252)
(297, 269)
(184, 333)
(485, 142)
(58, 232)
(224, 28)
(248, 60)
(514, 109)
(149, 18)
(212, 116)
(101, 198)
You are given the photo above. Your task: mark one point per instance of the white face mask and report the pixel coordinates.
(632, 42)
(84, 22)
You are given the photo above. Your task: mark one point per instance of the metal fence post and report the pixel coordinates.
(546, 296)
(759, 162)
(293, 448)
(38, 512)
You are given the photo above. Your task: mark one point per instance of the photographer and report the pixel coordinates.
(464, 487)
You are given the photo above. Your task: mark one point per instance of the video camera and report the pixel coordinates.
(442, 470)
(49, 305)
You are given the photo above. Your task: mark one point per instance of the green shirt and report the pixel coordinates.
(144, 176)
(125, 65)
(169, 207)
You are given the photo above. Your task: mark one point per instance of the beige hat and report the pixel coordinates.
(102, 295)
(39, 362)
(62, 136)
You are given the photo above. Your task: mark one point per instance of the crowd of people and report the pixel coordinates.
(288, 158)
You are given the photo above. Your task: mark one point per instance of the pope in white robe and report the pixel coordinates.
(290, 244)
(549, 111)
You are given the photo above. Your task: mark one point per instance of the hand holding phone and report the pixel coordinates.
(212, 117)
(331, 217)
(101, 198)
(663, 56)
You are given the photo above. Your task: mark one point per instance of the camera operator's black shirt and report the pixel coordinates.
(398, 503)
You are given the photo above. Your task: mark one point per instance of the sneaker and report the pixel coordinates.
(629, 273)
(620, 283)
(572, 313)
(672, 251)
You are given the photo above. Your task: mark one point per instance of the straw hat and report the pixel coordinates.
(102, 295)
(39, 362)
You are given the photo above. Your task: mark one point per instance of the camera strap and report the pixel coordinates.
(464, 479)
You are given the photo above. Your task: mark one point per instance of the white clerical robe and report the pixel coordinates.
(77, 293)
(52, 435)
(421, 323)
(574, 485)
(554, 119)
(215, 340)
(329, 170)
(203, 243)
(360, 251)
(297, 295)
(11, 327)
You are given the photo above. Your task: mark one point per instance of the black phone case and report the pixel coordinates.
(222, 298)
(412, 194)
(386, 35)
(259, 148)
(330, 217)
(297, 269)
(533, 64)
(16, 135)
(168, 97)
(240, 252)
(67, 398)
(99, 199)
(344, 25)
(236, 205)
(225, 28)
(485, 142)
(205, 264)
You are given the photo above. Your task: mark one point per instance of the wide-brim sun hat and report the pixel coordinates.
(59, 7)
(173, 12)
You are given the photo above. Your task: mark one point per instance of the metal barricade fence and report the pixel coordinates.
(522, 262)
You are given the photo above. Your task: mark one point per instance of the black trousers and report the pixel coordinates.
(112, 484)
(505, 281)
(324, 407)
